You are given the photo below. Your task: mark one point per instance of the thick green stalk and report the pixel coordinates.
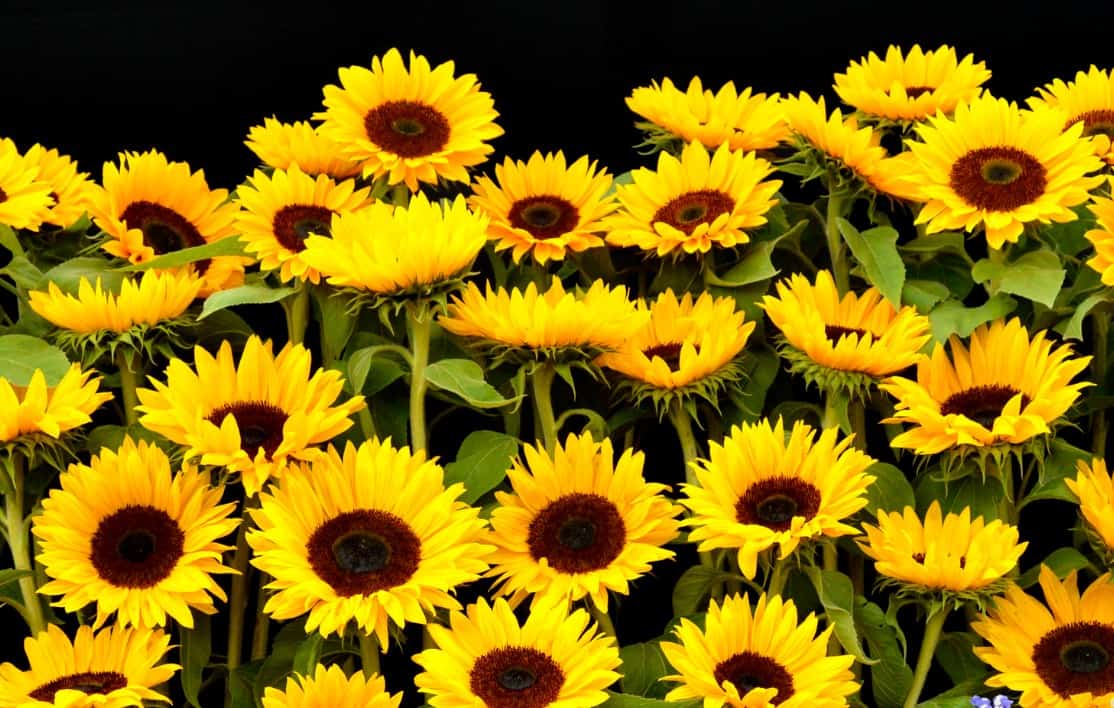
(296, 307)
(541, 386)
(682, 423)
(238, 598)
(421, 321)
(835, 243)
(369, 653)
(1098, 375)
(933, 626)
(128, 380)
(778, 575)
(20, 545)
(261, 632)
(606, 626)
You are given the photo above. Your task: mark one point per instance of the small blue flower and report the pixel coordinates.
(998, 702)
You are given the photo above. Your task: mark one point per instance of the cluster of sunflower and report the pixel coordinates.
(867, 359)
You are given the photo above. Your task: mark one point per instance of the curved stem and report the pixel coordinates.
(20, 545)
(682, 423)
(421, 320)
(296, 307)
(835, 243)
(369, 653)
(1098, 375)
(606, 626)
(933, 626)
(127, 386)
(367, 423)
(541, 386)
(238, 598)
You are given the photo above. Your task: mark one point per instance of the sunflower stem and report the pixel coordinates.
(19, 543)
(606, 626)
(1098, 374)
(400, 195)
(933, 626)
(367, 423)
(779, 573)
(369, 653)
(682, 423)
(128, 377)
(296, 307)
(835, 242)
(541, 386)
(420, 319)
(238, 598)
(261, 632)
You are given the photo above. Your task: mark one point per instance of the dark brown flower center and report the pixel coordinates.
(136, 546)
(407, 128)
(670, 352)
(915, 91)
(361, 552)
(919, 558)
(293, 224)
(691, 209)
(774, 501)
(998, 178)
(544, 216)
(748, 671)
(578, 533)
(982, 404)
(516, 677)
(164, 230)
(836, 332)
(3, 196)
(88, 682)
(260, 425)
(1075, 658)
(1100, 122)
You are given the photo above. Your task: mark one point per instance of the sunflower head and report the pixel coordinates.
(761, 487)
(692, 203)
(742, 120)
(1102, 238)
(1004, 389)
(329, 688)
(35, 411)
(688, 348)
(410, 124)
(757, 656)
(526, 325)
(116, 666)
(72, 191)
(287, 145)
(1056, 653)
(485, 657)
(544, 207)
(25, 199)
(1095, 490)
(1089, 100)
(909, 87)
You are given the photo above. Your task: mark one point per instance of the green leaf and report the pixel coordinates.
(67, 276)
(951, 317)
(891, 490)
(369, 364)
(280, 662)
(21, 355)
(481, 463)
(112, 437)
(1036, 276)
(954, 653)
(465, 378)
(23, 273)
(1072, 327)
(837, 595)
(10, 241)
(241, 683)
(924, 294)
(973, 491)
(193, 653)
(693, 586)
(1057, 467)
(876, 252)
(755, 267)
(224, 247)
(221, 326)
(643, 666)
(961, 700)
(891, 676)
(337, 325)
(944, 242)
(1062, 561)
(243, 295)
(10, 576)
(308, 654)
(625, 700)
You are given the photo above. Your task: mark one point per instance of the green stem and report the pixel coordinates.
(932, 629)
(127, 386)
(400, 195)
(421, 320)
(296, 307)
(261, 633)
(778, 575)
(603, 619)
(369, 653)
(1009, 504)
(1098, 374)
(831, 414)
(367, 424)
(541, 386)
(682, 423)
(19, 543)
(835, 243)
(238, 598)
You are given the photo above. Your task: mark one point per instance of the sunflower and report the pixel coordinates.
(950, 553)
(911, 87)
(117, 667)
(282, 209)
(579, 524)
(410, 125)
(694, 202)
(524, 324)
(844, 341)
(252, 418)
(485, 657)
(420, 250)
(1102, 238)
(994, 166)
(123, 533)
(544, 207)
(72, 191)
(329, 688)
(1004, 390)
(25, 200)
(1056, 654)
(372, 536)
(150, 206)
(287, 145)
(1088, 100)
(1095, 490)
(688, 347)
(758, 657)
(742, 120)
(37, 408)
(760, 487)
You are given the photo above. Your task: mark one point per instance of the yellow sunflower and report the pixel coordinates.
(951, 552)
(117, 667)
(1102, 238)
(544, 207)
(371, 537)
(149, 300)
(760, 487)
(1088, 100)
(1095, 490)
(252, 418)
(72, 191)
(911, 87)
(329, 688)
(746, 658)
(742, 120)
(1056, 654)
(125, 534)
(25, 200)
(286, 145)
(579, 524)
(526, 324)
(410, 125)
(829, 339)
(993, 166)
(420, 249)
(1004, 389)
(50, 410)
(151, 206)
(282, 209)
(486, 658)
(694, 202)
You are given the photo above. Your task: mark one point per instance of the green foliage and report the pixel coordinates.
(21, 355)
(465, 378)
(876, 251)
(194, 649)
(837, 595)
(481, 463)
(643, 666)
(251, 294)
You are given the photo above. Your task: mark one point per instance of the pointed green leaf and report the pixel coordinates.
(1062, 561)
(952, 317)
(755, 267)
(693, 586)
(68, 275)
(21, 355)
(891, 676)
(876, 251)
(1036, 276)
(481, 463)
(465, 378)
(244, 295)
(643, 666)
(194, 650)
(837, 595)
(231, 246)
(891, 490)
(10, 241)
(1072, 327)
(924, 294)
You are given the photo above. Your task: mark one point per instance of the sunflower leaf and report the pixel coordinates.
(643, 666)
(955, 655)
(693, 586)
(21, 355)
(194, 649)
(755, 267)
(1036, 276)
(1059, 466)
(876, 251)
(890, 491)
(481, 463)
(625, 700)
(924, 294)
(10, 241)
(308, 654)
(1072, 327)
(23, 272)
(337, 326)
(1062, 561)
(465, 378)
(891, 676)
(952, 317)
(243, 295)
(837, 595)
(67, 276)
(231, 246)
